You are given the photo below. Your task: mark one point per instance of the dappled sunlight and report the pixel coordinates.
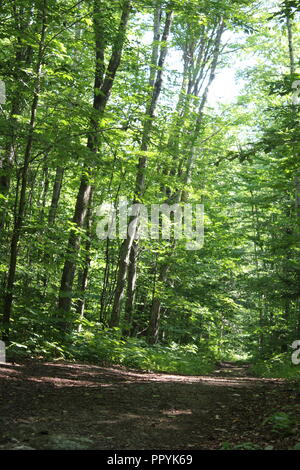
(149, 224)
(173, 412)
(113, 407)
(81, 375)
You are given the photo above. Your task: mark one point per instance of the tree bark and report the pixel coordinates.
(154, 322)
(23, 58)
(55, 195)
(291, 46)
(102, 88)
(83, 274)
(296, 177)
(8, 295)
(142, 163)
(131, 287)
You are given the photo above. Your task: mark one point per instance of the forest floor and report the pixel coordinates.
(59, 405)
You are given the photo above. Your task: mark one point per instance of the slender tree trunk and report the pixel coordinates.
(131, 287)
(83, 274)
(82, 203)
(7, 162)
(23, 58)
(296, 177)
(154, 322)
(59, 174)
(153, 330)
(190, 84)
(199, 120)
(104, 293)
(43, 191)
(103, 85)
(291, 46)
(172, 142)
(8, 295)
(140, 177)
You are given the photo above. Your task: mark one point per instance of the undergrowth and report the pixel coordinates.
(277, 366)
(107, 347)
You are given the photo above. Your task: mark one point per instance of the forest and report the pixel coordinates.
(150, 221)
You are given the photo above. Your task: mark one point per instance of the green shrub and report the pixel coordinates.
(98, 345)
(285, 422)
(279, 366)
(108, 347)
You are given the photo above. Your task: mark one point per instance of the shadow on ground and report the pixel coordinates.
(78, 406)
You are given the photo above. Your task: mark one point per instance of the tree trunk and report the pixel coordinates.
(83, 274)
(140, 177)
(156, 304)
(102, 89)
(296, 177)
(291, 46)
(8, 295)
(55, 195)
(23, 58)
(7, 162)
(131, 287)
(154, 322)
(82, 203)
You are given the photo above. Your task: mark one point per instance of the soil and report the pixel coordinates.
(59, 405)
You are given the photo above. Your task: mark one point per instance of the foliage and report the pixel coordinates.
(107, 347)
(242, 446)
(285, 422)
(97, 108)
(279, 366)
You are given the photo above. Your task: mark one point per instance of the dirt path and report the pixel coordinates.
(78, 406)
